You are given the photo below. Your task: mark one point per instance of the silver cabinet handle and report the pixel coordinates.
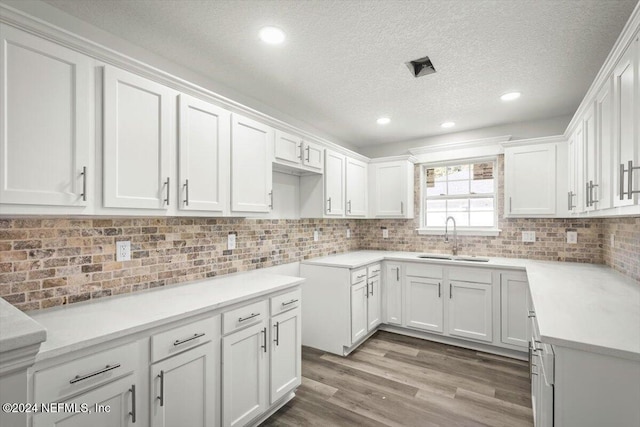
(264, 331)
(630, 181)
(587, 194)
(375, 271)
(571, 205)
(531, 314)
(361, 276)
(195, 336)
(308, 154)
(133, 403)
(251, 316)
(591, 187)
(401, 208)
(277, 340)
(371, 288)
(398, 274)
(630, 192)
(621, 181)
(271, 197)
(300, 151)
(161, 397)
(510, 204)
(107, 368)
(289, 302)
(168, 190)
(186, 192)
(439, 292)
(84, 184)
(366, 293)
(450, 291)
(349, 206)
(329, 200)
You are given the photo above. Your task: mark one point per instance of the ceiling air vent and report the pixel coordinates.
(421, 67)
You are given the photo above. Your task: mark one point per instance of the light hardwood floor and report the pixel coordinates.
(393, 380)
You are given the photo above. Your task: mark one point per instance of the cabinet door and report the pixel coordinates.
(576, 192)
(604, 144)
(389, 188)
(530, 180)
(393, 294)
(244, 375)
(626, 125)
(45, 137)
(112, 405)
(513, 309)
(183, 388)
(139, 117)
(334, 183)
(359, 293)
(251, 172)
(287, 148)
(204, 144)
(312, 156)
(424, 304)
(470, 311)
(356, 187)
(286, 356)
(374, 304)
(591, 162)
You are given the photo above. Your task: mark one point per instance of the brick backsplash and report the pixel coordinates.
(46, 262)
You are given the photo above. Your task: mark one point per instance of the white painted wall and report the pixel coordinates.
(521, 130)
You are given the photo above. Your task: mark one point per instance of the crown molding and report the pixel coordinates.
(404, 157)
(534, 141)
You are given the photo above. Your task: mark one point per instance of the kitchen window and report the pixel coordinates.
(464, 190)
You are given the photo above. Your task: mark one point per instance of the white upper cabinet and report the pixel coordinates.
(356, 187)
(334, 183)
(391, 189)
(204, 156)
(139, 120)
(626, 126)
(293, 151)
(591, 157)
(46, 140)
(604, 145)
(530, 180)
(251, 171)
(575, 171)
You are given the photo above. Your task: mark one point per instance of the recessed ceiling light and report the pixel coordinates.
(272, 35)
(448, 124)
(510, 96)
(383, 121)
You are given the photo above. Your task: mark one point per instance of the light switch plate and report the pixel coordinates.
(123, 250)
(316, 235)
(231, 241)
(572, 237)
(385, 233)
(529, 236)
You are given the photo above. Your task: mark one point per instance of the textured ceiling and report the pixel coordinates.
(342, 65)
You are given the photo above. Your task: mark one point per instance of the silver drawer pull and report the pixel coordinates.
(361, 276)
(375, 271)
(251, 316)
(195, 336)
(93, 374)
(289, 302)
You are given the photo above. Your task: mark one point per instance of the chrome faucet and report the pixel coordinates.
(454, 250)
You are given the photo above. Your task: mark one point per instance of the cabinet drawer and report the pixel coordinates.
(424, 270)
(373, 270)
(358, 275)
(475, 275)
(176, 340)
(285, 302)
(244, 316)
(56, 383)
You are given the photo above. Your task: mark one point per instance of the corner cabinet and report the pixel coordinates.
(139, 128)
(46, 129)
(251, 171)
(530, 180)
(334, 183)
(391, 188)
(356, 188)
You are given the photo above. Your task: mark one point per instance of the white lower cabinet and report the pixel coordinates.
(374, 302)
(359, 310)
(114, 404)
(183, 388)
(392, 290)
(424, 304)
(514, 291)
(470, 310)
(286, 356)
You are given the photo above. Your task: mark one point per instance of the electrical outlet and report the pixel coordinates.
(529, 236)
(231, 241)
(348, 233)
(572, 237)
(316, 235)
(123, 251)
(385, 233)
(612, 238)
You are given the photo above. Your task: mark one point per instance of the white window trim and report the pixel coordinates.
(462, 231)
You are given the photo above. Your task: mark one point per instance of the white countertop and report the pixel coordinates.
(583, 306)
(17, 329)
(82, 325)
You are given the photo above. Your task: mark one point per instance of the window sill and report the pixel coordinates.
(461, 232)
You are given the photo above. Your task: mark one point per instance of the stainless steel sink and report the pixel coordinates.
(471, 258)
(429, 256)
